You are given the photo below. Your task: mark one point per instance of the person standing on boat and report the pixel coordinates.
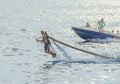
(47, 44)
(101, 25)
(87, 25)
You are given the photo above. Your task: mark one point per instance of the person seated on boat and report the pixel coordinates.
(47, 44)
(101, 25)
(117, 31)
(87, 25)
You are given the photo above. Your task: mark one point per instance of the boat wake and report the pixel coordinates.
(64, 55)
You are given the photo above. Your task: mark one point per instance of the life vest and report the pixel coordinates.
(101, 24)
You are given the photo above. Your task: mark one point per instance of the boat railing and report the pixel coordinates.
(104, 31)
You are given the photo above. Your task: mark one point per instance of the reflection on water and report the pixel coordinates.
(42, 75)
(49, 72)
(21, 58)
(48, 66)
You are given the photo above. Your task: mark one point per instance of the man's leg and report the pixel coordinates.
(47, 50)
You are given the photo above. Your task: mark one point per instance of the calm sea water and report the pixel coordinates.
(23, 61)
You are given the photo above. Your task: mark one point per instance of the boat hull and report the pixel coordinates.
(90, 35)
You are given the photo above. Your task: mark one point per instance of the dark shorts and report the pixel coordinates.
(47, 47)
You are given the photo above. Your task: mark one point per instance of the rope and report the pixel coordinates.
(95, 54)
